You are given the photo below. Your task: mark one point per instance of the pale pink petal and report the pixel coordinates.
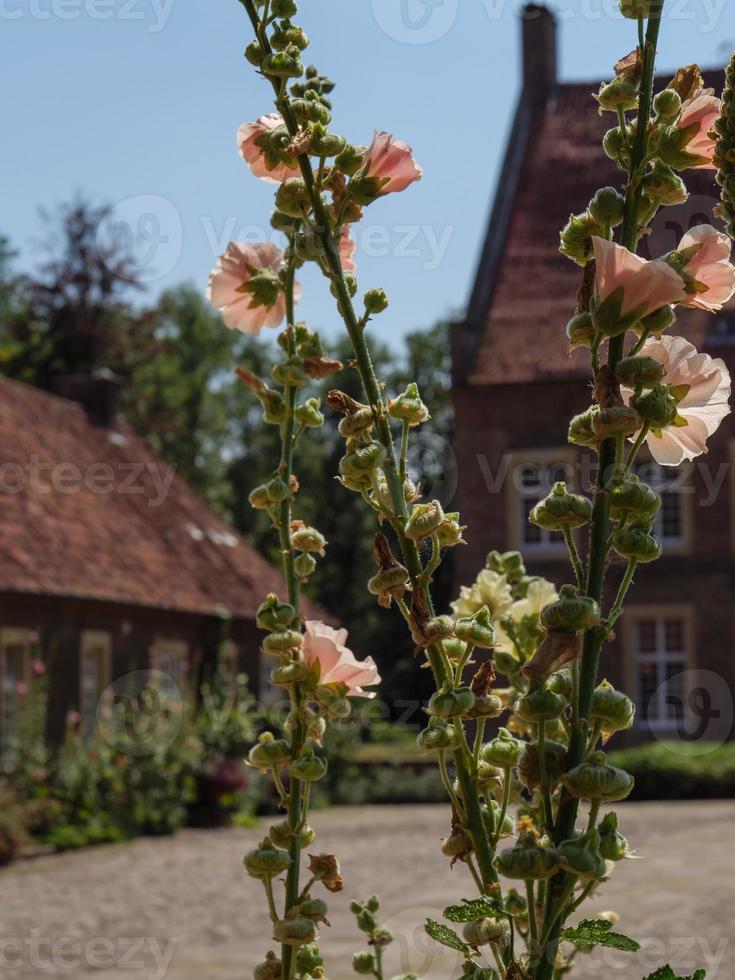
(711, 265)
(347, 250)
(646, 285)
(703, 109)
(233, 270)
(337, 664)
(391, 160)
(247, 145)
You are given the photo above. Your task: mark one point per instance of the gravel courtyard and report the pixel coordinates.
(182, 907)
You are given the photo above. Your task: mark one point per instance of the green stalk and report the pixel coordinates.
(593, 639)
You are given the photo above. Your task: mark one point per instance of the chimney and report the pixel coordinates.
(539, 51)
(98, 393)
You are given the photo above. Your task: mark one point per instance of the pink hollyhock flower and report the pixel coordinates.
(391, 162)
(38, 668)
(646, 286)
(21, 688)
(347, 250)
(227, 291)
(709, 266)
(337, 664)
(705, 384)
(701, 111)
(249, 137)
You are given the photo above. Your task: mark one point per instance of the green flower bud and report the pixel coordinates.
(304, 565)
(636, 543)
(283, 64)
(485, 706)
(364, 964)
(391, 581)
(274, 615)
(561, 509)
(293, 198)
(284, 8)
(663, 186)
(597, 780)
(259, 499)
(658, 407)
(612, 710)
(308, 414)
(614, 144)
(455, 649)
(487, 932)
(457, 846)
(571, 613)
(314, 909)
(277, 490)
(326, 144)
(563, 683)
(350, 281)
(284, 222)
(308, 539)
(451, 704)
(356, 423)
(362, 461)
(503, 751)
(506, 662)
(620, 420)
(581, 331)
(437, 736)
(491, 818)
(633, 500)
(375, 301)
(366, 921)
(408, 406)
(281, 835)
(283, 641)
(618, 94)
(581, 856)
(282, 37)
(607, 207)
(542, 705)
(489, 777)
(269, 752)
(555, 756)
(636, 8)
(289, 372)
(308, 768)
(270, 969)
(291, 672)
(349, 160)
(450, 532)
(655, 323)
(477, 630)
(311, 110)
(639, 372)
(266, 861)
(425, 519)
(667, 104)
(527, 860)
(582, 428)
(254, 53)
(510, 564)
(294, 931)
(613, 846)
(576, 237)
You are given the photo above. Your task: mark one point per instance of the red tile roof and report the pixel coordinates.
(94, 513)
(516, 320)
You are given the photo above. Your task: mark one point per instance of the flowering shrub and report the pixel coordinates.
(531, 873)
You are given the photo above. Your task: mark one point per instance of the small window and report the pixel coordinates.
(15, 658)
(661, 660)
(532, 481)
(670, 484)
(171, 657)
(95, 654)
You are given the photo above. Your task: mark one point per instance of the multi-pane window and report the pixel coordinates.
(670, 485)
(661, 658)
(532, 482)
(94, 674)
(14, 668)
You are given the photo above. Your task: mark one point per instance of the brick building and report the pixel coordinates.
(109, 562)
(516, 387)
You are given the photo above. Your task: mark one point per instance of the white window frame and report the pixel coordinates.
(520, 500)
(12, 637)
(660, 657)
(94, 642)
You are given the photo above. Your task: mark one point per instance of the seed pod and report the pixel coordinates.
(308, 539)
(618, 94)
(491, 818)
(657, 407)
(281, 835)
(477, 630)
(540, 705)
(266, 861)
(274, 615)
(450, 532)
(364, 964)
(598, 780)
(362, 461)
(425, 519)
(487, 932)
(582, 431)
(290, 672)
(259, 499)
(489, 777)
(581, 856)
(581, 331)
(308, 958)
(503, 751)
(457, 846)
(269, 752)
(283, 642)
(451, 704)
(527, 861)
(294, 930)
(408, 406)
(308, 767)
(561, 509)
(639, 372)
(612, 710)
(633, 500)
(314, 909)
(437, 735)
(485, 706)
(613, 846)
(269, 970)
(555, 756)
(607, 206)
(635, 543)
(278, 490)
(619, 420)
(571, 613)
(356, 423)
(576, 237)
(309, 415)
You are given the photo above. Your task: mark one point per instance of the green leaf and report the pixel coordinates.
(666, 973)
(472, 909)
(597, 932)
(447, 937)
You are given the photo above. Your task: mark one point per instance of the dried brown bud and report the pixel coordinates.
(252, 381)
(301, 143)
(587, 288)
(342, 403)
(629, 67)
(687, 82)
(325, 868)
(483, 680)
(321, 367)
(607, 388)
(557, 650)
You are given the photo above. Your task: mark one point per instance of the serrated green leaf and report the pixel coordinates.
(666, 973)
(597, 932)
(472, 909)
(446, 936)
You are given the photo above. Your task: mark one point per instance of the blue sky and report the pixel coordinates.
(136, 103)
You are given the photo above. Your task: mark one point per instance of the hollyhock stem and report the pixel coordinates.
(594, 638)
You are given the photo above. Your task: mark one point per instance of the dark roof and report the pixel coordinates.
(134, 544)
(524, 289)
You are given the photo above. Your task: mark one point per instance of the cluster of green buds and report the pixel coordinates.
(369, 963)
(725, 152)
